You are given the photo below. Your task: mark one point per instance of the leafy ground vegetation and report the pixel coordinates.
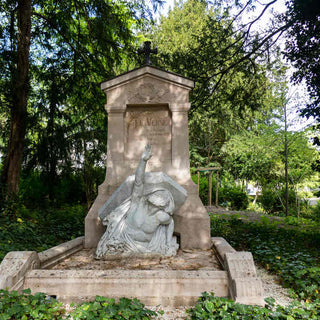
(287, 247)
(38, 306)
(211, 307)
(290, 251)
(25, 229)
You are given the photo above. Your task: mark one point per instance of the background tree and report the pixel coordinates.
(277, 159)
(74, 45)
(202, 43)
(303, 48)
(19, 96)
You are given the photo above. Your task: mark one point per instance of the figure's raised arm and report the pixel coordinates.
(140, 172)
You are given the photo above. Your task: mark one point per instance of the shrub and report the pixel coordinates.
(103, 308)
(238, 198)
(230, 196)
(273, 201)
(203, 188)
(316, 212)
(34, 190)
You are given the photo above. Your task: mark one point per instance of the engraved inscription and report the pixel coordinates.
(148, 125)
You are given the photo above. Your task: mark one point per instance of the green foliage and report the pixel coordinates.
(273, 201)
(211, 307)
(290, 252)
(68, 188)
(201, 42)
(236, 196)
(259, 155)
(229, 195)
(25, 229)
(203, 187)
(303, 50)
(316, 212)
(14, 306)
(74, 46)
(103, 308)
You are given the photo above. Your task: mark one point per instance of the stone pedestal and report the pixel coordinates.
(149, 105)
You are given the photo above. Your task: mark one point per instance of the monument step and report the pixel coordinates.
(152, 287)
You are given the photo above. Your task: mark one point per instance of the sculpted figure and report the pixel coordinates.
(143, 221)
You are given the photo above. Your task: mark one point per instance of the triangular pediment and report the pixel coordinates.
(147, 85)
(147, 71)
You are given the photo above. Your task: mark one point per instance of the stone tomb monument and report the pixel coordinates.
(145, 106)
(150, 106)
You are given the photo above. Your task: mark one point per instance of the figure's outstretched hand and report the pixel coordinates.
(147, 153)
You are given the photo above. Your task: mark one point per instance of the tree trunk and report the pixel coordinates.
(14, 156)
(286, 160)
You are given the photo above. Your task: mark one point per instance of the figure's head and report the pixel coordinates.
(163, 200)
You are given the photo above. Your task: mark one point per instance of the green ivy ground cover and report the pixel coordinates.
(293, 254)
(33, 307)
(39, 230)
(211, 307)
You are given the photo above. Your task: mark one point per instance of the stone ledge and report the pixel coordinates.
(165, 287)
(239, 281)
(244, 285)
(247, 291)
(54, 255)
(14, 267)
(221, 247)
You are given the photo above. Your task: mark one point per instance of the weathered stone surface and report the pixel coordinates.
(240, 265)
(141, 220)
(148, 125)
(150, 105)
(54, 255)
(244, 286)
(221, 246)
(168, 288)
(169, 281)
(247, 291)
(14, 266)
(191, 260)
(152, 180)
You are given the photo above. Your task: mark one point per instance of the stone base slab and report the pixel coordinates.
(168, 287)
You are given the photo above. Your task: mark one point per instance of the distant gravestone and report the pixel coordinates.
(150, 106)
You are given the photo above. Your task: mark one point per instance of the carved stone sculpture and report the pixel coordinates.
(139, 214)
